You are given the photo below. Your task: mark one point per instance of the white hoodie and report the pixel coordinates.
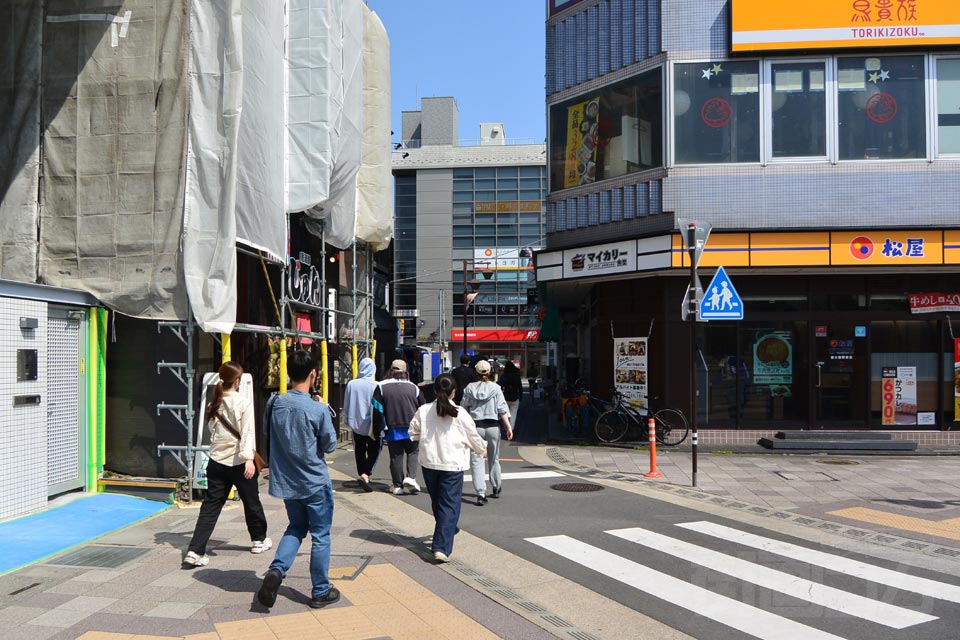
(445, 443)
(484, 400)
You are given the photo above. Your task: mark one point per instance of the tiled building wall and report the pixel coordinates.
(600, 38)
(23, 430)
(697, 29)
(611, 205)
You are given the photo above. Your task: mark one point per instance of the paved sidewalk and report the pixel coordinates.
(911, 496)
(390, 588)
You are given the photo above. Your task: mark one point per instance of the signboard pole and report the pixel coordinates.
(464, 308)
(692, 319)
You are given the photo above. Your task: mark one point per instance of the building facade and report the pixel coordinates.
(468, 218)
(822, 146)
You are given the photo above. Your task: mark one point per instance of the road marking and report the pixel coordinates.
(840, 564)
(943, 528)
(842, 601)
(521, 475)
(732, 613)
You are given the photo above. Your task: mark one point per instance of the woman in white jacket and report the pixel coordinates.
(488, 408)
(447, 435)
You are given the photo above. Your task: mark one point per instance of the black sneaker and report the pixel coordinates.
(496, 492)
(365, 485)
(267, 595)
(481, 500)
(328, 598)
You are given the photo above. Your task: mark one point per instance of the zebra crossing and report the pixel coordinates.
(748, 619)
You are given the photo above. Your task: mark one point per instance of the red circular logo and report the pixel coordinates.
(716, 113)
(881, 108)
(861, 247)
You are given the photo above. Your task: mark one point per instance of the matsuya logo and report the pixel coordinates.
(861, 247)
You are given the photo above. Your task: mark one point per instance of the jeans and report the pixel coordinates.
(313, 514)
(477, 466)
(220, 478)
(397, 451)
(366, 452)
(513, 406)
(446, 490)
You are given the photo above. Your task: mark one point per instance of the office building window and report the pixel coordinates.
(607, 133)
(717, 112)
(881, 107)
(948, 105)
(798, 109)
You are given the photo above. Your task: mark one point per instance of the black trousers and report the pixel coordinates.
(220, 479)
(366, 452)
(398, 450)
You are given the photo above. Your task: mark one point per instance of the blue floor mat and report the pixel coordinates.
(40, 535)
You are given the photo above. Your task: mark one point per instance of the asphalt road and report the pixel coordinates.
(709, 577)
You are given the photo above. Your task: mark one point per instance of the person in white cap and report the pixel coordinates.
(488, 408)
(397, 399)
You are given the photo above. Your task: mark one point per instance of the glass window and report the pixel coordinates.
(506, 172)
(717, 112)
(881, 107)
(531, 171)
(463, 173)
(485, 218)
(507, 183)
(487, 184)
(507, 241)
(530, 183)
(486, 196)
(948, 104)
(463, 242)
(484, 229)
(485, 172)
(798, 105)
(530, 228)
(531, 240)
(405, 188)
(607, 133)
(461, 231)
(463, 196)
(905, 344)
(530, 217)
(507, 217)
(507, 228)
(463, 207)
(486, 241)
(510, 194)
(530, 194)
(463, 219)
(463, 185)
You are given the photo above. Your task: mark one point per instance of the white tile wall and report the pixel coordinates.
(23, 430)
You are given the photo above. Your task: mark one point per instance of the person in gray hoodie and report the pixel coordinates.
(358, 414)
(488, 408)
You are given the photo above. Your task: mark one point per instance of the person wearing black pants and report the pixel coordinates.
(395, 401)
(229, 418)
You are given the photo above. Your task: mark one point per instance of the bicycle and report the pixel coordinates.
(612, 426)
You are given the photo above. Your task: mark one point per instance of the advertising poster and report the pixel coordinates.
(906, 393)
(888, 396)
(581, 153)
(773, 362)
(956, 380)
(630, 370)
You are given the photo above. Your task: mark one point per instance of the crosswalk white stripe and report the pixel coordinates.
(733, 613)
(923, 586)
(521, 475)
(848, 603)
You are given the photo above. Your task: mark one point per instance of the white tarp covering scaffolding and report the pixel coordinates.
(374, 213)
(21, 24)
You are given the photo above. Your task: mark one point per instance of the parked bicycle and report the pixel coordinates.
(612, 426)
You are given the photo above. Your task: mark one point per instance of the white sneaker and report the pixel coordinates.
(195, 560)
(440, 556)
(397, 491)
(259, 546)
(411, 485)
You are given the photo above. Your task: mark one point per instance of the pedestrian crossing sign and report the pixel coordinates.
(720, 301)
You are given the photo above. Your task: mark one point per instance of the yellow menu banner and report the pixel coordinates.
(777, 25)
(581, 151)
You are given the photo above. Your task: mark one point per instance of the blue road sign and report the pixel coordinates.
(720, 300)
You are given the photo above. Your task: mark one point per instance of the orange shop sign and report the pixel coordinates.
(886, 248)
(778, 25)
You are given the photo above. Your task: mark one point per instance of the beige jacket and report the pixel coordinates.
(224, 446)
(445, 443)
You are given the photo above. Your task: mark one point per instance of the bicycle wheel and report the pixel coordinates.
(611, 426)
(672, 427)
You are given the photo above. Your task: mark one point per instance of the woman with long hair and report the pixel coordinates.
(488, 408)
(230, 420)
(447, 435)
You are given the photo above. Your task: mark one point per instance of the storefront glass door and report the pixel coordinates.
(840, 375)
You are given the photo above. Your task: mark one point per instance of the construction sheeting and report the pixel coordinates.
(209, 222)
(314, 98)
(374, 218)
(114, 106)
(261, 216)
(21, 24)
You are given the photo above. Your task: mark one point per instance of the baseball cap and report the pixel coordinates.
(398, 365)
(483, 367)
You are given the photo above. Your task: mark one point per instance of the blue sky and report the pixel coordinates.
(488, 54)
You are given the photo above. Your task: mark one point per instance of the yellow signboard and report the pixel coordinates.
(776, 25)
(886, 248)
(581, 150)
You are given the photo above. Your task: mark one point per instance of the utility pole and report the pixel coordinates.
(465, 303)
(692, 318)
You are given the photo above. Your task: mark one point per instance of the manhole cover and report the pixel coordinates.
(101, 557)
(576, 487)
(837, 461)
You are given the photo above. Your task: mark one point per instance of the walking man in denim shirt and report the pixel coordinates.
(300, 433)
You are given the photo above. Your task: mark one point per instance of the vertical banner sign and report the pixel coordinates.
(888, 396)
(956, 380)
(906, 395)
(582, 137)
(630, 370)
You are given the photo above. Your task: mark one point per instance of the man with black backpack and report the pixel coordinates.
(512, 385)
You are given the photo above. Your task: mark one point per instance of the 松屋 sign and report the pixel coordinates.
(762, 25)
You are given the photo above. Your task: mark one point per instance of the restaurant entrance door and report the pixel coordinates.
(840, 377)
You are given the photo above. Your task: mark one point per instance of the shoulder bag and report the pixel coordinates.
(258, 462)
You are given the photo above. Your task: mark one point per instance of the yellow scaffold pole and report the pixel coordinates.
(283, 365)
(225, 347)
(324, 374)
(354, 365)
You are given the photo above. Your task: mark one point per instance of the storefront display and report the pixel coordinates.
(630, 370)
